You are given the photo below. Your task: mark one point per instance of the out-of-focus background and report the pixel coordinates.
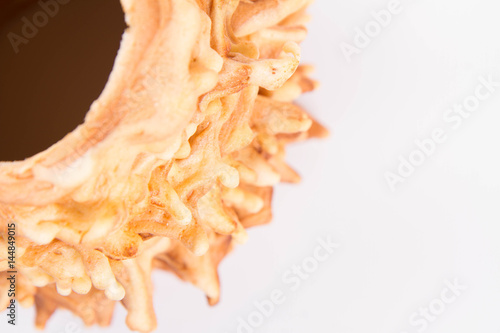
(396, 225)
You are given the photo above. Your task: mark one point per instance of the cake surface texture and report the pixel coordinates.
(175, 160)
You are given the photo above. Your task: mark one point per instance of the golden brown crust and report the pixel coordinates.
(174, 160)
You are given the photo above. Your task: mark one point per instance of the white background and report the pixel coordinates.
(397, 248)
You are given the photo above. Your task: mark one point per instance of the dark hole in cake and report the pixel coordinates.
(55, 59)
